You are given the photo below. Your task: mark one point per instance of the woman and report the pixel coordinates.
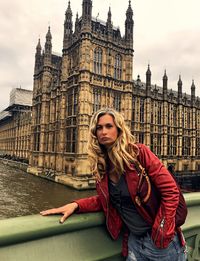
(115, 159)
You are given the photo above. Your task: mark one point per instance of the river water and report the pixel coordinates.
(25, 194)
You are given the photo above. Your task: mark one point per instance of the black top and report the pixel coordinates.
(121, 200)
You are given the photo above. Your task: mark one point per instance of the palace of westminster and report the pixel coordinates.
(48, 127)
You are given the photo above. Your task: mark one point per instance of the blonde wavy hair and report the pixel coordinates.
(122, 153)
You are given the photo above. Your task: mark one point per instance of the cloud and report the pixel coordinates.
(177, 53)
(165, 35)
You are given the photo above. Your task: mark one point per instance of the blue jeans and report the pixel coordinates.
(143, 249)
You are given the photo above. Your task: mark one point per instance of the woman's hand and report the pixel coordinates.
(66, 210)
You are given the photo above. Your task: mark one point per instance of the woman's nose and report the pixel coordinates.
(104, 131)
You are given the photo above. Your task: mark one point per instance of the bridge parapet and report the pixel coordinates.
(81, 237)
(191, 228)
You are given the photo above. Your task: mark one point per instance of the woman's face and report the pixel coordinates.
(106, 130)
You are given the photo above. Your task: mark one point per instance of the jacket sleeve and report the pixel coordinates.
(163, 229)
(90, 204)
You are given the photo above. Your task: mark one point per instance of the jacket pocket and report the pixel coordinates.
(158, 239)
(163, 233)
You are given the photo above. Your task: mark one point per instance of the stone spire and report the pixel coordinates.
(138, 79)
(180, 94)
(109, 24)
(129, 23)
(109, 16)
(76, 23)
(38, 48)
(38, 55)
(48, 44)
(148, 81)
(193, 92)
(148, 76)
(165, 79)
(129, 12)
(67, 27)
(48, 47)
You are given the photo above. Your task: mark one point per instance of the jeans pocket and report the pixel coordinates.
(177, 245)
(151, 241)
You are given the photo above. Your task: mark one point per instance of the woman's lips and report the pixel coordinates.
(104, 139)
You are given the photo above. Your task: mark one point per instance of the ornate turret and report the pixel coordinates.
(86, 16)
(109, 24)
(76, 23)
(180, 84)
(148, 76)
(67, 27)
(129, 23)
(165, 79)
(138, 79)
(48, 47)
(38, 48)
(193, 92)
(38, 56)
(109, 16)
(148, 81)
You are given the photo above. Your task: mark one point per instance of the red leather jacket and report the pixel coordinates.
(163, 223)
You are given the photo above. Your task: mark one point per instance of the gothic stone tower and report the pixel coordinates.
(46, 96)
(95, 71)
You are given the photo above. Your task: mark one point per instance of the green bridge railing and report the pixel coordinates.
(82, 237)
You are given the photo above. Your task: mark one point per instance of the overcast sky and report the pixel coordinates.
(166, 35)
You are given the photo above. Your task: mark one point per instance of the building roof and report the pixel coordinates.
(4, 115)
(97, 20)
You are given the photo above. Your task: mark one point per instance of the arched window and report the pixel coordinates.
(159, 113)
(142, 110)
(72, 101)
(133, 110)
(175, 116)
(71, 139)
(98, 60)
(97, 99)
(117, 101)
(118, 67)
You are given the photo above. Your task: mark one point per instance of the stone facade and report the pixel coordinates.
(15, 126)
(168, 122)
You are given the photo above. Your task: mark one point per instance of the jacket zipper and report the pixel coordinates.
(161, 227)
(107, 210)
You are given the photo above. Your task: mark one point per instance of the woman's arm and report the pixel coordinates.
(66, 210)
(90, 204)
